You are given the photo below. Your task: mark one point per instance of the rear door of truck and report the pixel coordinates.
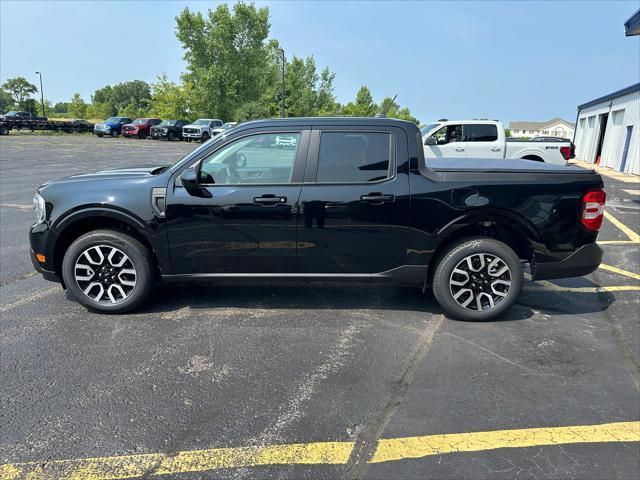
(484, 140)
(354, 204)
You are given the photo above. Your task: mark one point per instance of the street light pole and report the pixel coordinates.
(282, 93)
(41, 93)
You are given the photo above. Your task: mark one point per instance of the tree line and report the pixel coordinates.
(233, 73)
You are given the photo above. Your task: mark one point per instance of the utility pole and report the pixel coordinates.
(41, 93)
(282, 93)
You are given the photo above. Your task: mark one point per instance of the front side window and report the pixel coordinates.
(266, 158)
(354, 157)
(448, 134)
(482, 133)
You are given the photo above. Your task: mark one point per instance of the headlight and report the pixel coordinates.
(165, 130)
(39, 209)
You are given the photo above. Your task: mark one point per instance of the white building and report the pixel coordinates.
(553, 128)
(608, 130)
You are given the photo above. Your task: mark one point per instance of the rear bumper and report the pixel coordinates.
(583, 261)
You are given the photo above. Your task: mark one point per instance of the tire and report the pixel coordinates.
(4, 130)
(477, 284)
(142, 135)
(171, 136)
(99, 135)
(100, 269)
(114, 133)
(205, 137)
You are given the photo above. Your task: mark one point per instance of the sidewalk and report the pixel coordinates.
(607, 172)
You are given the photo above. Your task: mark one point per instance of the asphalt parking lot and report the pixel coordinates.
(297, 381)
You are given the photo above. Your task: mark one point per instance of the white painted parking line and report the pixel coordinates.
(631, 192)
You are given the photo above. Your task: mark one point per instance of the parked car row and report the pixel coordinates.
(202, 129)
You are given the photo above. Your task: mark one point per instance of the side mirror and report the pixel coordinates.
(430, 141)
(189, 179)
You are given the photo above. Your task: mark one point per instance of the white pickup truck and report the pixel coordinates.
(486, 139)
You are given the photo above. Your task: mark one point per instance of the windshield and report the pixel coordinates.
(139, 121)
(202, 121)
(113, 120)
(427, 128)
(168, 123)
(11, 113)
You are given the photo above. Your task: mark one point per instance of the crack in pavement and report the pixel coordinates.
(367, 441)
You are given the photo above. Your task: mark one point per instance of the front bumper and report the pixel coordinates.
(46, 274)
(156, 134)
(41, 240)
(130, 133)
(192, 135)
(583, 261)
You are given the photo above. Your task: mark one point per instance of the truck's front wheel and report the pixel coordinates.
(108, 271)
(478, 279)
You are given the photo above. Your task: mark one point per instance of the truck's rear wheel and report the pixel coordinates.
(108, 271)
(478, 279)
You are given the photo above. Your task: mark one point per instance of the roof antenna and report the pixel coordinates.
(383, 112)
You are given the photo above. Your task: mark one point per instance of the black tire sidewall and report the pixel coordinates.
(454, 255)
(136, 252)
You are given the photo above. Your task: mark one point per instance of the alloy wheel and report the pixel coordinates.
(480, 281)
(105, 274)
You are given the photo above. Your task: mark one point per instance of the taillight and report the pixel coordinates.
(566, 152)
(593, 209)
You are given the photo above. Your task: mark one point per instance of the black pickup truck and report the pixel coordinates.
(346, 199)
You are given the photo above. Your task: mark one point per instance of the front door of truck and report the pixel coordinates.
(354, 202)
(245, 220)
(446, 142)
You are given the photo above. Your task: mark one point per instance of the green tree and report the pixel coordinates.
(135, 96)
(77, 107)
(395, 111)
(364, 105)
(61, 108)
(6, 101)
(19, 89)
(169, 100)
(30, 105)
(227, 58)
(507, 132)
(99, 110)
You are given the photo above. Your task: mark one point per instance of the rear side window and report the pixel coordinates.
(482, 133)
(354, 157)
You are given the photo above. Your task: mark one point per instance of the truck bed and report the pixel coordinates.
(462, 169)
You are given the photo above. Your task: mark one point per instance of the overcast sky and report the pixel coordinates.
(507, 60)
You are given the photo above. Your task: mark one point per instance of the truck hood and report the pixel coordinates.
(193, 125)
(119, 174)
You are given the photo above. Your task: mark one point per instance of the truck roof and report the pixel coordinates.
(356, 121)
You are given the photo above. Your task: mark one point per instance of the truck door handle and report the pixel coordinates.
(269, 200)
(377, 198)
(495, 149)
(459, 149)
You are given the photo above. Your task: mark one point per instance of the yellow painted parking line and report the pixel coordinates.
(617, 242)
(548, 286)
(32, 297)
(417, 447)
(619, 271)
(633, 236)
(316, 453)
